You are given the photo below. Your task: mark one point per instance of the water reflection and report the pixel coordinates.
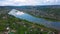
(30, 18)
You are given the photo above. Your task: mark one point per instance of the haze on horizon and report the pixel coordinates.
(28, 2)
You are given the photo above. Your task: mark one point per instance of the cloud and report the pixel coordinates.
(16, 2)
(50, 1)
(28, 2)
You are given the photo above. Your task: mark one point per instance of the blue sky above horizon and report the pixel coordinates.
(28, 2)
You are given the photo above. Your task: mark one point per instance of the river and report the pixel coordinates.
(28, 17)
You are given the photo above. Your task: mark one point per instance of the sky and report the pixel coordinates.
(28, 2)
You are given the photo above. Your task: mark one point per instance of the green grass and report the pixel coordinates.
(20, 29)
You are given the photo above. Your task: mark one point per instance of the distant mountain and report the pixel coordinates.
(29, 7)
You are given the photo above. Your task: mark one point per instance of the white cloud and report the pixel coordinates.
(17, 2)
(28, 2)
(48, 1)
(51, 2)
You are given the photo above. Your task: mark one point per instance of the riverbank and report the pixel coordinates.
(22, 26)
(46, 18)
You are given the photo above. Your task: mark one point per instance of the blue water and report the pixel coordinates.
(50, 24)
